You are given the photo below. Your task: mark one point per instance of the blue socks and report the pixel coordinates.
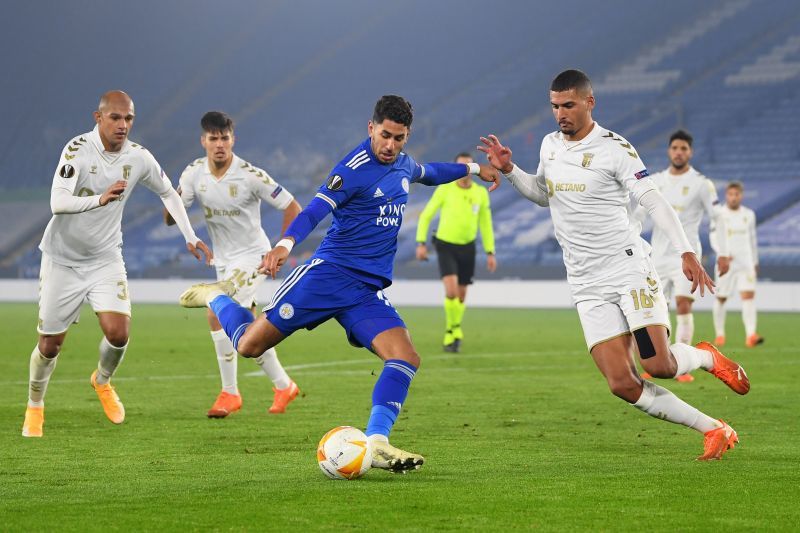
(388, 396)
(233, 317)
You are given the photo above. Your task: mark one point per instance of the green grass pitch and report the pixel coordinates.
(519, 432)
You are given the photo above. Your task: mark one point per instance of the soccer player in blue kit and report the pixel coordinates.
(344, 279)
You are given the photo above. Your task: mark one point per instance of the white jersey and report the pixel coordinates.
(589, 184)
(691, 195)
(94, 237)
(741, 231)
(232, 205)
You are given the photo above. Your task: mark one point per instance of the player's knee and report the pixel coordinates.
(721, 300)
(117, 339)
(50, 347)
(411, 357)
(250, 346)
(628, 388)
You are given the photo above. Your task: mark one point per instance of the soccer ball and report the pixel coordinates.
(344, 453)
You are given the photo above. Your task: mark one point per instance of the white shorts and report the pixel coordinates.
(63, 289)
(243, 272)
(621, 304)
(675, 283)
(742, 279)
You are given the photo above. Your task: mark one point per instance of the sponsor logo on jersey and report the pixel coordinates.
(404, 183)
(233, 190)
(221, 212)
(641, 174)
(570, 187)
(335, 182)
(286, 311)
(378, 193)
(66, 171)
(126, 171)
(587, 160)
(390, 215)
(276, 192)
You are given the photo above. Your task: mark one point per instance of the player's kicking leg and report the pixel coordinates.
(401, 362)
(615, 361)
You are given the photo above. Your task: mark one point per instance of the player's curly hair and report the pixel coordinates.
(216, 122)
(395, 108)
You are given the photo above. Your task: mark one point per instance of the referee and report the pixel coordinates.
(464, 208)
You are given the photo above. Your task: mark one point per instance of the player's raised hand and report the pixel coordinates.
(489, 174)
(695, 273)
(499, 156)
(198, 247)
(114, 192)
(273, 261)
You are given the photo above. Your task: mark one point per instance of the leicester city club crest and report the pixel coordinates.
(286, 311)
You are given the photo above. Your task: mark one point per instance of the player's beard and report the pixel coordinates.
(679, 166)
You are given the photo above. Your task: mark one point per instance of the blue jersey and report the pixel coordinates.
(368, 200)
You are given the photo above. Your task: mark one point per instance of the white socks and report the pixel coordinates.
(660, 403)
(749, 316)
(227, 359)
(718, 312)
(41, 369)
(690, 358)
(685, 328)
(268, 361)
(110, 358)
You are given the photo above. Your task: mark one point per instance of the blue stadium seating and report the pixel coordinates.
(726, 70)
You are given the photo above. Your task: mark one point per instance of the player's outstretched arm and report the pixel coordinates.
(441, 173)
(667, 220)
(302, 225)
(530, 186)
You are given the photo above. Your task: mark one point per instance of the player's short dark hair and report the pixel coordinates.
(681, 135)
(395, 108)
(216, 122)
(571, 79)
(735, 185)
(463, 154)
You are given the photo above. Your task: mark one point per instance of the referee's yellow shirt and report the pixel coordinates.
(463, 212)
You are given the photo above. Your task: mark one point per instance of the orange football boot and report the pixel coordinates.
(283, 397)
(729, 372)
(225, 404)
(684, 378)
(34, 420)
(112, 406)
(718, 441)
(754, 340)
(720, 341)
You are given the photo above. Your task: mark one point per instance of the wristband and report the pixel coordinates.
(286, 243)
(474, 168)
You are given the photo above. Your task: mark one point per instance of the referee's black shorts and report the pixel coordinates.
(458, 259)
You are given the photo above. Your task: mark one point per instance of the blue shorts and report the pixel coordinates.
(317, 291)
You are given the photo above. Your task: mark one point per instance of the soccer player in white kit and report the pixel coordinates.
(230, 191)
(586, 175)
(691, 195)
(81, 249)
(740, 227)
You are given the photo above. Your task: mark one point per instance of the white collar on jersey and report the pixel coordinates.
(586, 140)
(94, 138)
